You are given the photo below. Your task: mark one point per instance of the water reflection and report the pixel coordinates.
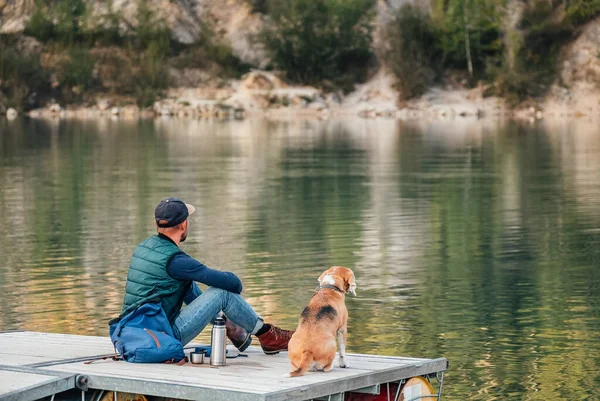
(477, 241)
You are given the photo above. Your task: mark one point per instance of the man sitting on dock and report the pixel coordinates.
(159, 269)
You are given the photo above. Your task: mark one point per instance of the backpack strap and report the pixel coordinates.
(114, 357)
(178, 363)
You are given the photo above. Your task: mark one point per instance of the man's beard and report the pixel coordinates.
(183, 237)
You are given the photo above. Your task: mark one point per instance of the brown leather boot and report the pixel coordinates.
(275, 340)
(237, 335)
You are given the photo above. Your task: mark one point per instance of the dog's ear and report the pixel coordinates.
(350, 283)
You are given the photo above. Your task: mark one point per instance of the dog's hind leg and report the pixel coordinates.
(341, 337)
(304, 364)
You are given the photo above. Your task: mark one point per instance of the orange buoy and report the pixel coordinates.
(415, 388)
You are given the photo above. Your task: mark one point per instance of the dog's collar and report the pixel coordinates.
(333, 287)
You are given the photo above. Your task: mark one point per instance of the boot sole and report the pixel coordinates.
(273, 352)
(245, 345)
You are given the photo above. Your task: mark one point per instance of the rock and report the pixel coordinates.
(415, 114)
(239, 114)
(236, 106)
(366, 113)
(446, 112)
(467, 110)
(402, 114)
(165, 107)
(115, 111)
(103, 104)
(147, 113)
(130, 110)
(334, 99)
(11, 114)
(28, 45)
(55, 108)
(318, 105)
(261, 80)
(71, 113)
(298, 102)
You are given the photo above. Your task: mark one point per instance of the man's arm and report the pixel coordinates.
(184, 267)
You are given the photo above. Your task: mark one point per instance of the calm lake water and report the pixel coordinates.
(478, 242)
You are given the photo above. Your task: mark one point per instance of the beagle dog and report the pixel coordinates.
(312, 346)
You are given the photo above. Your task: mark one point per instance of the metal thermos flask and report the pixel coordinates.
(218, 343)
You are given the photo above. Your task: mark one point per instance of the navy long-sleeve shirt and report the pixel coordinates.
(184, 267)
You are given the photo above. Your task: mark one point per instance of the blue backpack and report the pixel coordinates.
(144, 335)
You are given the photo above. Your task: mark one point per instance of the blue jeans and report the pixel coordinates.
(203, 307)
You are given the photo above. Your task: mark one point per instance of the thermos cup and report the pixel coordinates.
(218, 343)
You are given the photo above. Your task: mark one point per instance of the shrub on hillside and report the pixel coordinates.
(151, 31)
(104, 29)
(469, 33)
(40, 24)
(411, 51)
(538, 56)
(462, 36)
(259, 6)
(20, 75)
(61, 21)
(582, 11)
(78, 69)
(211, 53)
(152, 77)
(69, 20)
(323, 42)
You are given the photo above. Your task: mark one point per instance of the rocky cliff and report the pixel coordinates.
(576, 88)
(232, 19)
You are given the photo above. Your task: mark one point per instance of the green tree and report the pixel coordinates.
(20, 74)
(78, 70)
(151, 31)
(412, 50)
(469, 33)
(69, 15)
(581, 11)
(320, 40)
(110, 33)
(542, 31)
(40, 24)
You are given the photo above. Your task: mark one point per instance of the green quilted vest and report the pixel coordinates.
(148, 278)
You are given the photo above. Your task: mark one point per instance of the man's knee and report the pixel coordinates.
(217, 292)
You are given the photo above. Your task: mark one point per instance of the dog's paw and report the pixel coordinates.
(343, 363)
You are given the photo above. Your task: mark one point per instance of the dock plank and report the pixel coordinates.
(257, 377)
(33, 348)
(30, 384)
(11, 381)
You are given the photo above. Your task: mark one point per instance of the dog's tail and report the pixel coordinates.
(304, 364)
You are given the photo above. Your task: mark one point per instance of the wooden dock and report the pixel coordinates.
(35, 365)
